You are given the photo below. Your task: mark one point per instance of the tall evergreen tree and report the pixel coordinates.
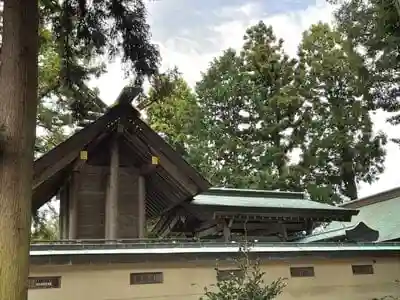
(18, 102)
(250, 117)
(55, 116)
(223, 95)
(372, 29)
(253, 113)
(259, 106)
(177, 117)
(340, 149)
(276, 108)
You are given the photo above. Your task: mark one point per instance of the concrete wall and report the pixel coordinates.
(333, 280)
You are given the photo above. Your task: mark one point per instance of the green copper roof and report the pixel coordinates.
(253, 193)
(382, 216)
(259, 199)
(355, 233)
(325, 235)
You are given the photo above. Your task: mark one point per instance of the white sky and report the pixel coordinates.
(192, 32)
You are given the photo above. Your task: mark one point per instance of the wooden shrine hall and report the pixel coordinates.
(231, 214)
(112, 175)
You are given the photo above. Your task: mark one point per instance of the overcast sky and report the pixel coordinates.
(190, 33)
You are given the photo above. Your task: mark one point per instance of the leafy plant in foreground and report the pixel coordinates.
(246, 284)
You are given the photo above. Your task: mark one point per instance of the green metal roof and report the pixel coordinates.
(260, 199)
(382, 216)
(253, 193)
(359, 231)
(325, 235)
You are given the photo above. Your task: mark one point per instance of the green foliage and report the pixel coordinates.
(222, 95)
(45, 224)
(256, 108)
(276, 107)
(372, 29)
(90, 30)
(173, 111)
(163, 86)
(76, 39)
(340, 148)
(248, 284)
(251, 110)
(171, 115)
(58, 103)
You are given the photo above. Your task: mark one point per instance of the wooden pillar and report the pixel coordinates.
(60, 216)
(73, 206)
(309, 226)
(63, 216)
(283, 231)
(111, 209)
(227, 232)
(141, 207)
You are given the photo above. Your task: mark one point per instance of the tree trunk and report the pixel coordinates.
(348, 175)
(18, 104)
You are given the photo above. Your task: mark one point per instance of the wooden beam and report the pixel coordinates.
(182, 165)
(147, 169)
(168, 227)
(208, 231)
(63, 215)
(64, 161)
(227, 232)
(79, 163)
(128, 94)
(283, 230)
(57, 166)
(265, 226)
(74, 186)
(160, 224)
(165, 163)
(309, 226)
(141, 207)
(76, 142)
(111, 209)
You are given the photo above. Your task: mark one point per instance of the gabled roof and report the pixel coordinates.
(379, 212)
(242, 204)
(263, 201)
(354, 233)
(173, 180)
(373, 199)
(260, 199)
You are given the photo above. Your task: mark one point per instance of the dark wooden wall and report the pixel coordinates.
(128, 206)
(91, 192)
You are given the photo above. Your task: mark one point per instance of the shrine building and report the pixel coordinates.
(136, 221)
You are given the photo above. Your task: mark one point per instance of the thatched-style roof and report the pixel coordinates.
(172, 181)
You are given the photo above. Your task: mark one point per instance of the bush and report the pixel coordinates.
(247, 284)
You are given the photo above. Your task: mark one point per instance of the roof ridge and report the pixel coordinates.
(374, 198)
(254, 193)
